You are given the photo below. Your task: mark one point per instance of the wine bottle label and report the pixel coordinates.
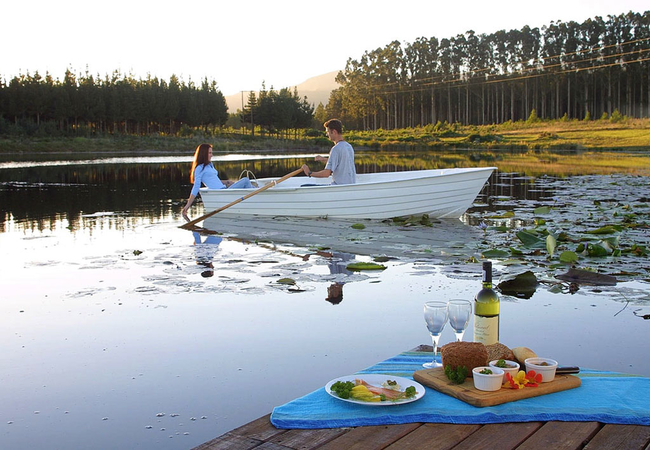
(486, 329)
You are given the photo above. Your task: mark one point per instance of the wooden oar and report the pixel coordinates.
(189, 224)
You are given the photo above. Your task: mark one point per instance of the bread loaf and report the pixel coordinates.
(521, 353)
(468, 354)
(499, 351)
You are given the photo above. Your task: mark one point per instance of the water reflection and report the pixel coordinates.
(38, 196)
(206, 244)
(337, 265)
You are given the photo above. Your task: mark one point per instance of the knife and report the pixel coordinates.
(567, 369)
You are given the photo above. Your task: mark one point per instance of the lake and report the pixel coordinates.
(121, 330)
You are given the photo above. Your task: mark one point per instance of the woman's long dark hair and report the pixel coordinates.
(200, 157)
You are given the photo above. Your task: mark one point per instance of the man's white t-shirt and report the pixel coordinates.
(341, 163)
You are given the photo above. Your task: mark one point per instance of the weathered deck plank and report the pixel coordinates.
(261, 435)
(303, 439)
(443, 435)
(561, 436)
(250, 435)
(370, 438)
(499, 435)
(628, 437)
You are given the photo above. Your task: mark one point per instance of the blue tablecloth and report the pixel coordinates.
(607, 397)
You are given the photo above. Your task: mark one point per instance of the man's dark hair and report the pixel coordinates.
(334, 124)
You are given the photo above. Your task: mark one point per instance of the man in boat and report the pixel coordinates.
(340, 163)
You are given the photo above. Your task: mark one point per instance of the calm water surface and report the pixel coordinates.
(112, 337)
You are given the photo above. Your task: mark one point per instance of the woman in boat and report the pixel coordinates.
(340, 163)
(203, 171)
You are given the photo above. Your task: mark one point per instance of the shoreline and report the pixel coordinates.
(628, 135)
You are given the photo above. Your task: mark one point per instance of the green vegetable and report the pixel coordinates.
(342, 388)
(486, 372)
(410, 391)
(457, 375)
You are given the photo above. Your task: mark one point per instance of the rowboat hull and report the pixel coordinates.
(441, 193)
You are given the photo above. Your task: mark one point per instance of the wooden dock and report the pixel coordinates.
(413, 436)
(552, 435)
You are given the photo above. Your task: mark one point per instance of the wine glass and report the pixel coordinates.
(435, 315)
(459, 312)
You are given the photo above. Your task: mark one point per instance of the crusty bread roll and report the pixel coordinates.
(499, 351)
(521, 353)
(468, 354)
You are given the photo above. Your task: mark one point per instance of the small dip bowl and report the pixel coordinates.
(544, 366)
(511, 367)
(487, 382)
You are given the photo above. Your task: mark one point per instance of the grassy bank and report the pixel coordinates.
(603, 134)
(153, 144)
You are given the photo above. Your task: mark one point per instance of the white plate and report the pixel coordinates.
(377, 380)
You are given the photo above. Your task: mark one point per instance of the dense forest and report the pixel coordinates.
(86, 105)
(566, 69)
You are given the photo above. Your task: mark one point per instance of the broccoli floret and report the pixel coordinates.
(410, 391)
(342, 388)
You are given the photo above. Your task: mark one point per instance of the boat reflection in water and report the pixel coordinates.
(376, 237)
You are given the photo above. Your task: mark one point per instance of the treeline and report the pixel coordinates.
(87, 105)
(566, 69)
(275, 111)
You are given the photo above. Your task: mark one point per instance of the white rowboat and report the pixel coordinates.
(440, 193)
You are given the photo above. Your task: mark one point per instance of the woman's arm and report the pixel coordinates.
(198, 173)
(188, 204)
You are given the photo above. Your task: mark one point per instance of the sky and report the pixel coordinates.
(243, 44)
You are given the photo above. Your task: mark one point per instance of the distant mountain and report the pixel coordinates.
(316, 89)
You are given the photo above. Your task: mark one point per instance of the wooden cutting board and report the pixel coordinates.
(436, 379)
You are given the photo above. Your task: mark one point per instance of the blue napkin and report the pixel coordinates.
(607, 397)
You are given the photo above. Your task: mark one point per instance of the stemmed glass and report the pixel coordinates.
(435, 315)
(459, 312)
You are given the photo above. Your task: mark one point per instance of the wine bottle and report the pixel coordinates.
(486, 310)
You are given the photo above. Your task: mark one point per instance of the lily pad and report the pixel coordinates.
(542, 210)
(597, 250)
(522, 285)
(289, 281)
(358, 226)
(495, 253)
(568, 257)
(516, 252)
(358, 266)
(530, 240)
(607, 229)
